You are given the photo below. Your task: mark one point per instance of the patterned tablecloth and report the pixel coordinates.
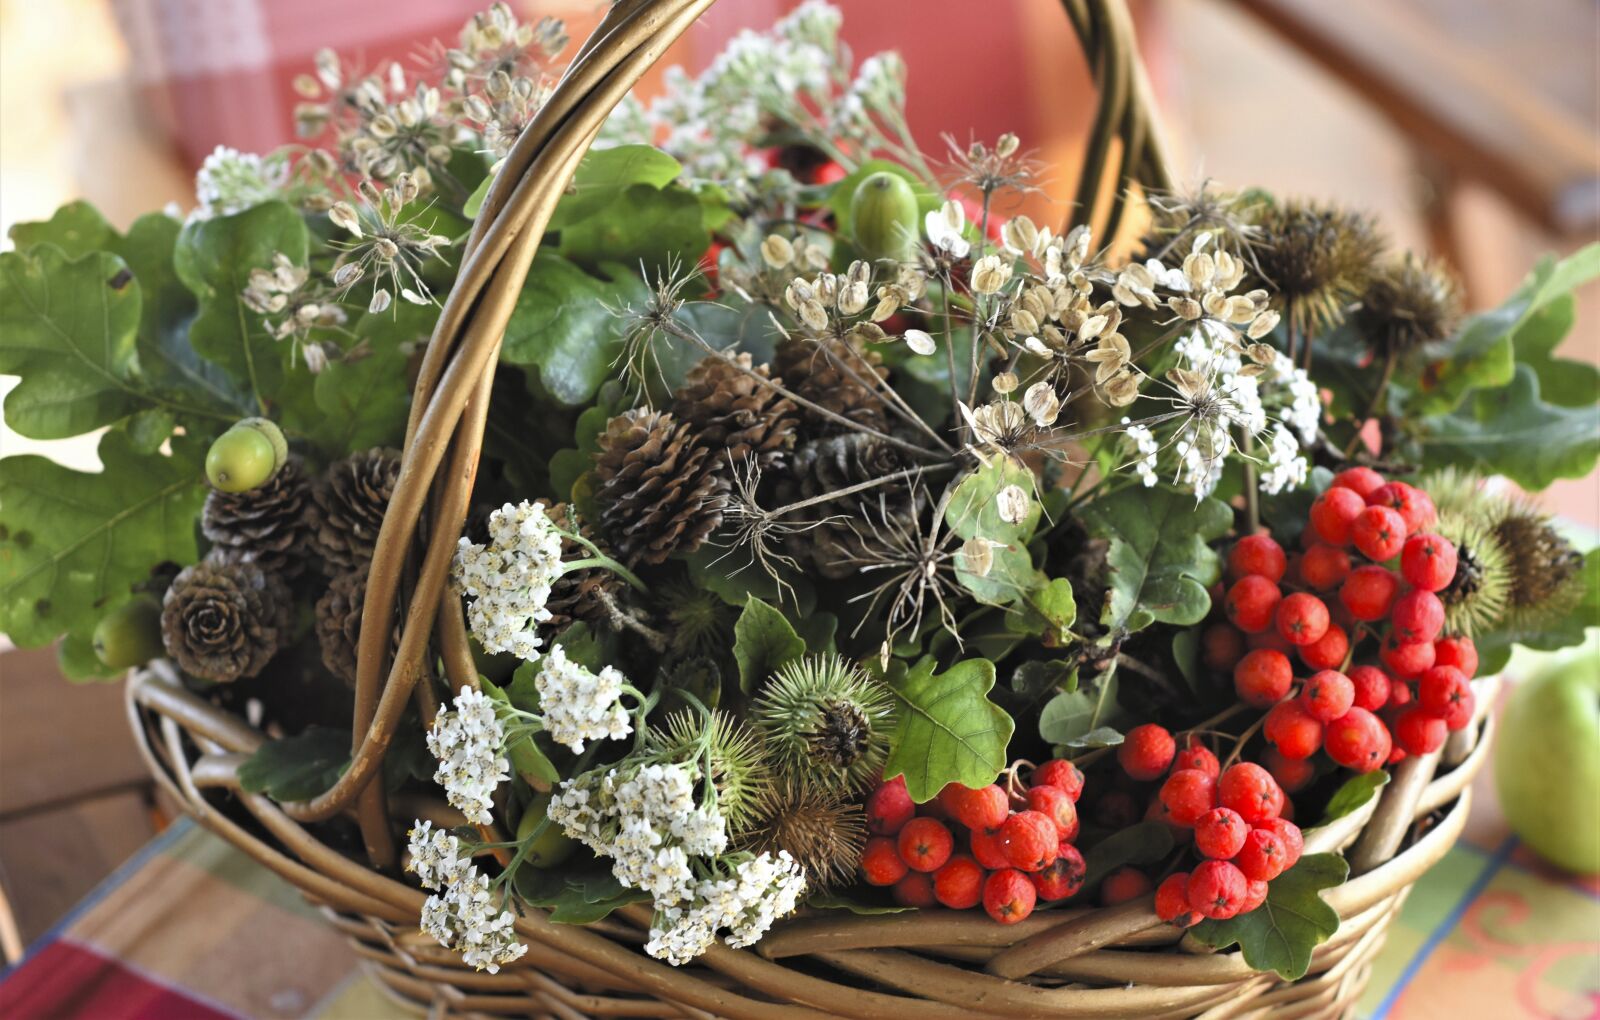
(191, 929)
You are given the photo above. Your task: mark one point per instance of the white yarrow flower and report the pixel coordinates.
(508, 581)
(467, 741)
(577, 705)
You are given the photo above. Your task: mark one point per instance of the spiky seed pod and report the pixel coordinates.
(730, 751)
(699, 675)
(351, 498)
(1461, 492)
(699, 622)
(734, 415)
(843, 375)
(338, 623)
(224, 618)
(270, 525)
(1546, 571)
(659, 492)
(851, 525)
(1317, 259)
(1476, 597)
(579, 594)
(1407, 304)
(826, 722)
(823, 832)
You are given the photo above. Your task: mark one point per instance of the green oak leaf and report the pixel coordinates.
(1562, 381)
(946, 728)
(653, 227)
(565, 325)
(763, 640)
(1159, 557)
(298, 767)
(1280, 934)
(1355, 792)
(575, 897)
(1513, 432)
(605, 174)
(73, 542)
(77, 228)
(974, 513)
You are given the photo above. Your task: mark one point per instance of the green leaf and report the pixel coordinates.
(214, 259)
(973, 512)
(474, 203)
(1142, 843)
(1355, 792)
(526, 757)
(1562, 381)
(1280, 934)
(565, 325)
(77, 228)
(149, 428)
(1084, 717)
(72, 542)
(763, 640)
(606, 174)
(582, 897)
(946, 728)
(299, 767)
(1159, 556)
(1511, 431)
(734, 583)
(657, 227)
(839, 901)
(1495, 647)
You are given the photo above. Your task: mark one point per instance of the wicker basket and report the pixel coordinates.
(1113, 962)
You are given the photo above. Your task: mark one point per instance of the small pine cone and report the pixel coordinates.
(734, 415)
(578, 594)
(844, 376)
(338, 619)
(225, 617)
(270, 526)
(659, 492)
(844, 542)
(351, 499)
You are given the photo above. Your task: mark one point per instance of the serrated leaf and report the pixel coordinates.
(1142, 843)
(1280, 934)
(763, 640)
(974, 512)
(1159, 558)
(946, 728)
(565, 325)
(298, 767)
(73, 542)
(1513, 432)
(1353, 794)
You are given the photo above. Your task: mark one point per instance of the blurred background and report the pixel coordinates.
(1470, 128)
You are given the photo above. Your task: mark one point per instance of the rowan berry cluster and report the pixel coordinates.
(1005, 850)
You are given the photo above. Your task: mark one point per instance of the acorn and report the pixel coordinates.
(883, 217)
(827, 722)
(246, 456)
(130, 635)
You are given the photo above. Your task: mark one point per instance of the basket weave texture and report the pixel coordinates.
(1088, 962)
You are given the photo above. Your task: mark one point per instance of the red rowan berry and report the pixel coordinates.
(1414, 506)
(1406, 659)
(1263, 677)
(1172, 902)
(1328, 695)
(1061, 774)
(1255, 895)
(1428, 562)
(1371, 687)
(881, 863)
(889, 807)
(1369, 592)
(925, 844)
(1324, 567)
(1257, 554)
(1123, 885)
(1251, 602)
(1399, 693)
(1008, 896)
(1217, 889)
(1063, 877)
(1461, 711)
(1262, 856)
(1220, 833)
(1441, 688)
(1197, 756)
(1221, 645)
(1378, 533)
(1029, 840)
(1188, 794)
(1146, 752)
(1459, 652)
(1268, 639)
(1302, 618)
(1327, 651)
(983, 808)
(959, 884)
(1250, 790)
(1357, 740)
(1418, 616)
(986, 849)
(1293, 774)
(1055, 805)
(1418, 732)
(1334, 512)
(915, 890)
(1292, 730)
(1362, 480)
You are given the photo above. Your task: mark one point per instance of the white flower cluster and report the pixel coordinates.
(760, 890)
(231, 181)
(1144, 443)
(509, 579)
(1285, 468)
(467, 742)
(577, 705)
(460, 915)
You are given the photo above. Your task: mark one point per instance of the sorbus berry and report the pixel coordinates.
(959, 884)
(1459, 652)
(1146, 752)
(1055, 805)
(1327, 651)
(1418, 616)
(1063, 877)
(1123, 885)
(1334, 512)
(1250, 790)
(925, 844)
(1441, 688)
(1324, 567)
(1255, 895)
(1220, 833)
(1217, 889)
(1172, 902)
(1221, 644)
(1029, 840)
(986, 849)
(1008, 896)
(1293, 774)
(889, 807)
(1428, 562)
(1418, 732)
(1251, 602)
(1371, 687)
(915, 890)
(1414, 506)
(1397, 754)
(1187, 794)
(1263, 677)
(1363, 480)
(1262, 856)
(1406, 659)
(1369, 591)
(1399, 693)
(1294, 842)
(1116, 809)
(881, 863)
(1292, 730)
(1302, 618)
(1461, 711)
(1061, 774)
(1197, 756)
(1378, 533)
(983, 808)
(1268, 639)
(1357, 740)
(1328, 695)
(1257, 554)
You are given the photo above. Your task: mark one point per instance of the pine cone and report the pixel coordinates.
(844, 376)
(338, 621)
(578, 594)
(733, 415)
(853, 524)
(225, 617)
(658, 491)
(351, 499)
(269, 526)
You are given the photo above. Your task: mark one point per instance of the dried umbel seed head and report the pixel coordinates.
(824, 833)
(1477, 596)
(1408, 304)
(1317, 258)
(826, 722)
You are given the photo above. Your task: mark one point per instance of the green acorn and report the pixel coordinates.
(883, 217)
(1476, 598)
(728, 751)
(827, 722)
(824, 833)
(553, 846)
(246, 456)
(130, 635)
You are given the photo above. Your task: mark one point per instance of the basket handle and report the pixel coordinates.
(450, 400)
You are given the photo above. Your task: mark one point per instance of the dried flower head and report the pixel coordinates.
(1317, 258)
(390, 248)
(1408, 304)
